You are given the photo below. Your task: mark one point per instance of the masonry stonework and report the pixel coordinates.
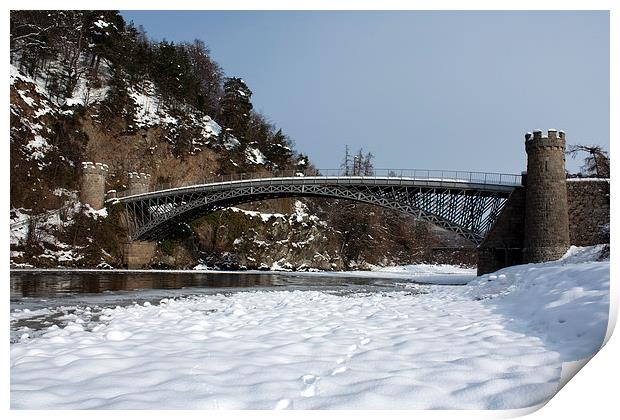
(588, 211)
(138, 183)
(503, 244)
(545, 231)
(92, 188)
(138, 254)
(544, 217)
(588, 217)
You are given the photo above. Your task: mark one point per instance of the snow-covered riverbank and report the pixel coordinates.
(498, 342)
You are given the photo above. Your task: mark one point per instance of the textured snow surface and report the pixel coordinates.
(255, 156)
(38, 147)
(210, 128)
(101, 24)
(230, 143)
(19, 225)
(587, 179)
(46, 222)
(85, 95)
(264, 216)
(147, 107)
(39, 84)
(435, 273)
(565, 301)
(498, 342)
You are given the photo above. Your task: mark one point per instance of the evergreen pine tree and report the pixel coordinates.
(104, 29)
(236, 107)
(279, 151)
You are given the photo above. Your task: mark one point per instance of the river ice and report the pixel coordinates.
(498, 342)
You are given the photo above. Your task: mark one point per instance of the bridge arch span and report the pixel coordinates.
(458, 205)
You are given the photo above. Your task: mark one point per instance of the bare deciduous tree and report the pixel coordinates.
(595, 163)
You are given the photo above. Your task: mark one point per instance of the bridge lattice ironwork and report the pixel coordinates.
(466, 203)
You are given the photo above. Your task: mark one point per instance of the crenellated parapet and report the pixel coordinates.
(554, 140)
(138, 183)
(95, 168)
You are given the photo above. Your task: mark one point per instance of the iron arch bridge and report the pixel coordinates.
(466, 203)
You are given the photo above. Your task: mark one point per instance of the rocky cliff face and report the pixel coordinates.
(50, 137)
(258, 240)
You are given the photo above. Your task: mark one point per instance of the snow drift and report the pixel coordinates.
(497, 343)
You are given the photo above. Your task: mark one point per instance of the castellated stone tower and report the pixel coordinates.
(92, 191)
(546, 235)
(138, 183)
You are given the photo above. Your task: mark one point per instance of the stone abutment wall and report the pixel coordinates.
(138, 254)
(588, 216)
(503, 244)
(542, 219)
(588, 211)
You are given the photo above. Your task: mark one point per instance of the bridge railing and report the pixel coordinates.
(409, 174)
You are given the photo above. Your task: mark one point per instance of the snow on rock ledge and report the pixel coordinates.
(254, 156)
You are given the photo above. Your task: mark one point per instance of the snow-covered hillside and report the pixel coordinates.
(497, 343)
(45, 179)
(86, 86)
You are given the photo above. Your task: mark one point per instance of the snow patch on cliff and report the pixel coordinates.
(255, 156)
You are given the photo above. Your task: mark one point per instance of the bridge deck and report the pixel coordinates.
(506, 185)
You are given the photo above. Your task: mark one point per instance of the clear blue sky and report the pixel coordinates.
(439, 90)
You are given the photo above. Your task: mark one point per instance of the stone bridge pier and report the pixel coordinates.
(138, 254)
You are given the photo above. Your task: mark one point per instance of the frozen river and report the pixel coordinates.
(50, 295)
(383, 339)
(33, 284)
